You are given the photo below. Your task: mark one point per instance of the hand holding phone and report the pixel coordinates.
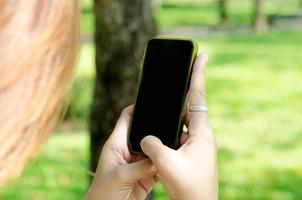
(180, 171)
(189, 172)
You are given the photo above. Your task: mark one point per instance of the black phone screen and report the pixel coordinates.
(162, 92)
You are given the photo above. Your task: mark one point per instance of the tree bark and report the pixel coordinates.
(260, 21)
(122, 29)
(223, 11)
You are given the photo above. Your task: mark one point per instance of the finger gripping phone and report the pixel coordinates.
(163, 87)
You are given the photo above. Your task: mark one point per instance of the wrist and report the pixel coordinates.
(194, 192)
(195, 196)
(97, 189)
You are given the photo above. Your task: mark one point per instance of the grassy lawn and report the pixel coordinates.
(174, 13)
(254, 94)
(254, 91)
(59, 172)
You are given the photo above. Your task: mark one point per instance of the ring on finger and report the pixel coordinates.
(198, 108)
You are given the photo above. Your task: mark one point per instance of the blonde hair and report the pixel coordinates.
(39, 41)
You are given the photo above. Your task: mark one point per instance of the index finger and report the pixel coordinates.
(121, 128)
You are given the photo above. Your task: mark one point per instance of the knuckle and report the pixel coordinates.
(199, 92)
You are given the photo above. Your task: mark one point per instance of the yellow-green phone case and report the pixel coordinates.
(193, 57)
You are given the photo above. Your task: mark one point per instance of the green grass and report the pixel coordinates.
(82, 92)
(87, 18)
(192, 13)
(254, 94)
(59, 172)
(173, 13)
(205, 12)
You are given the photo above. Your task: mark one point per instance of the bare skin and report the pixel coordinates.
(187, 173)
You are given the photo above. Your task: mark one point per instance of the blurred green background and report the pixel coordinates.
(254, 94)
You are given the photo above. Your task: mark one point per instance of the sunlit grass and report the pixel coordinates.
(59, 172)
(198, 14)
(174, 13)
(254, 94)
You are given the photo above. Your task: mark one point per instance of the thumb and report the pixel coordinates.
(156, 151)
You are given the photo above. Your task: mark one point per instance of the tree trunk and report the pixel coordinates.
(223, 11)
(260, 22)
(122, 29)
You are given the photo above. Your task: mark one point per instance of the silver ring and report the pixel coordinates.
(198, 108)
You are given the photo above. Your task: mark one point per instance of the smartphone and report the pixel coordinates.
(163, 87)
